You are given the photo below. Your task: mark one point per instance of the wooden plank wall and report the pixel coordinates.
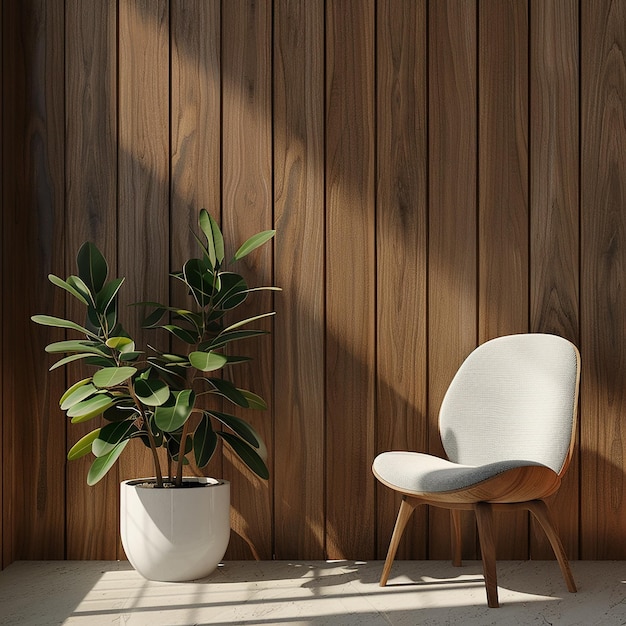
(439, 172)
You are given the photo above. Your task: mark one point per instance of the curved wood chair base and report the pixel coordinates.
(520, 484)
(484, 520)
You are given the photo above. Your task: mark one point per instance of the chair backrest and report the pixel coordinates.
(513, 398)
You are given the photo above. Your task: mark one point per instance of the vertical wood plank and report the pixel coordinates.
(196, 150)
(247, 209)
(603, 303)
(299, 209)
(91, 183)
(143, 176)
(453, 280)
(196, 120)
(401, 228)
(554, 211)
(2, 244)
(350, 278)
(32, 225)
(503, 195)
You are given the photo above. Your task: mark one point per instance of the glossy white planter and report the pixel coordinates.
(175, 534)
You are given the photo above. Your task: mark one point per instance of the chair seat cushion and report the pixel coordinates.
(417, 473)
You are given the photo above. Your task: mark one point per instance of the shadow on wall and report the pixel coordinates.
(409, 420)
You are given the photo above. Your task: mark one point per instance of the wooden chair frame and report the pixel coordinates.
(484, 519)
(522, 488)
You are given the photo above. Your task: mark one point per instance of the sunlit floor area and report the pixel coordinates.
(318, 592)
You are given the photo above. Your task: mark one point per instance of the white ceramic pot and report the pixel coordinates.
(175, 534)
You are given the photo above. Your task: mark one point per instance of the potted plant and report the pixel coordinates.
(170, 531)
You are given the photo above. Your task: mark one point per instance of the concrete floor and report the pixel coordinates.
(281, 592)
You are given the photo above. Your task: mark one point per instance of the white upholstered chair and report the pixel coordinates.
(507, 424)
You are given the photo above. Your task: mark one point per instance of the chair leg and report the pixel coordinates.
(541, 512)
(455, 519)
(484, 520)
(404, 515)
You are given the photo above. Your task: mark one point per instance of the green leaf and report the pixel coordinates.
(108, 294)
(172, 375)
(57, 322)
(74, 345)
(117, 343)
(124, 345)
(213, 234)
(121, 411)
(157, 435)
(253, 243)
(82, 446)
(173, 358)
(207, 361)
(77, 284)
(173, 447)
(78, 395)
(100, 361)
(204, 220)
(171, 415)
(152, 320)
(92, 267)
(226, 337)
(198, 280)
(233, 291)
(254, 401)
(234, 360)
(73, 388)
(248, 320)
(87, 409)
(59, 282)
(239, 426)
(68, 359)
(182, 333)
(246, 453)
(226, 389)
(152, 392)
(193, 318)
(111, 435)
(103, 464)
(204, 442)
(112, 376)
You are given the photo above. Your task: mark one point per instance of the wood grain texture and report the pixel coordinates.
(196, 120)
(143, 177)
(520, 484)
(352, 126)
(247, 209)
(350, 278)
(554, 210)
(91, 183)
(503, 192)
(2, 418)
(401, 235)
(603, 232)
(195, 142)
(452, 255)
(299, 331)
(32, 223)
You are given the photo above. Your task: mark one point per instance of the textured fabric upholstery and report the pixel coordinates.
(512, 398)
(413, 472)
(511, 404)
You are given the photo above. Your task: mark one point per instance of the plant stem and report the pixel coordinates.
(181, 455)
(155, 456)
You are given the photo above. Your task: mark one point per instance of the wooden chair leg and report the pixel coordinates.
(404, 514)
(541, 512)
(455, 519)
(484, 520)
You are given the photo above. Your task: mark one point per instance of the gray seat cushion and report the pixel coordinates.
(414, 472)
